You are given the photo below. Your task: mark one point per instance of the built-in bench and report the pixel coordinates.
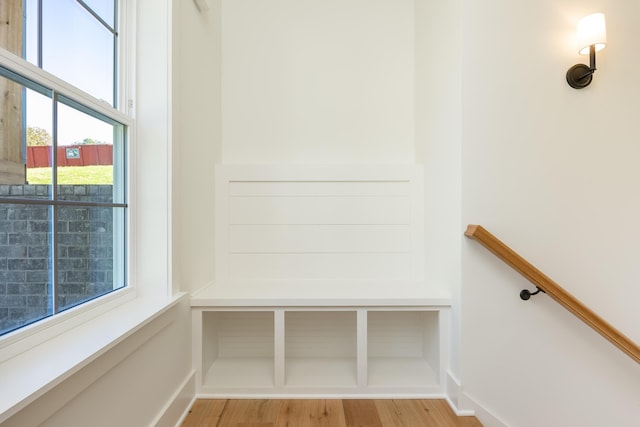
(319, 286)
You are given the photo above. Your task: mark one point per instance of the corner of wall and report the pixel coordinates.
(455, 397)
(465, 406)
(484, 415)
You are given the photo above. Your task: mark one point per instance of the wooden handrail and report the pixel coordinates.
(555, 291)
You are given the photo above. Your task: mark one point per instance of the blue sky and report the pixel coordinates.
(79, 49)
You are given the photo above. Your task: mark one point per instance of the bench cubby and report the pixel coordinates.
(332, 350)
(238, 349)
(402, 348)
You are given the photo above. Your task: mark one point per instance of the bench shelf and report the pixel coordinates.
(387, 349)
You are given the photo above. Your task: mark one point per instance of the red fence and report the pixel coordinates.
(70, 155)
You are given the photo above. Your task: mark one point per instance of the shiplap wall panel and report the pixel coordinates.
(320, 266)
(296, 210)
(319, 188)
(322, 222)
(309, 239)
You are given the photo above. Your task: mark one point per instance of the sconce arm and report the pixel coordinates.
(580, 75)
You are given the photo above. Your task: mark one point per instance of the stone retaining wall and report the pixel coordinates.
(84, 246)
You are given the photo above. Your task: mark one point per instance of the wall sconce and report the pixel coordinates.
(592, 37)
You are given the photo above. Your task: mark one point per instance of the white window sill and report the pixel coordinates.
(28, 375)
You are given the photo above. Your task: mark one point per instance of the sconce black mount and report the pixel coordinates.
(525, 294)
(580, 75)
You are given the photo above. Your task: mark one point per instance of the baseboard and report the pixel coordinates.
(455, 396)
(464, 405)
(177, 407)
(186, 411)
(484, 415)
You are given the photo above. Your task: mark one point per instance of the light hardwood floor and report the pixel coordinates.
(329, 413)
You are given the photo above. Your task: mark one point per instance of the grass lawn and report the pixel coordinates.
(72, 175)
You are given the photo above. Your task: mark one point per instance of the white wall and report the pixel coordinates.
(317, 82)
(437, 142)
(151, 201)
(198, 147)
(553, 172)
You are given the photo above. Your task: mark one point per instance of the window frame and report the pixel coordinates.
(30, 335)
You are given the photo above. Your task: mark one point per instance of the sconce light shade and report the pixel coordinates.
(592, 37)
(592, 30)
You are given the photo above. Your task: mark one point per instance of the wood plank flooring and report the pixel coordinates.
(326, 413)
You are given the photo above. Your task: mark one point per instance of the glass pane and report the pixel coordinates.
(39, 141)
(78, 48)
(86, 158)
(105, 9)
(31, 31)
(25, 276)
(90, 253)
(25, 140)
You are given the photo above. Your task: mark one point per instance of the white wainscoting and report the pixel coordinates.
(319, 223)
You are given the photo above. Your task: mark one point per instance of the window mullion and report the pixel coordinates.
(40, 32)
(54, 215)
(97, 17)
(116, 78)
(54, 260)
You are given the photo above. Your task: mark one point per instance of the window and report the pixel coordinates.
(63, 154)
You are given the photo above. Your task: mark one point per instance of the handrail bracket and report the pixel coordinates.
(525, 294)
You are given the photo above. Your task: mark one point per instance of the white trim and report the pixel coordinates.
(171, 287)
(465, 406)
(72, 351)
(27, 337)
(485, 416)
(176, 409)
(323, 293)
(453, 390)
(128, 91)
(127, 57)
(186, 412)
(459, 412)
(44, 78)
(326, 395)
(127, 105)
